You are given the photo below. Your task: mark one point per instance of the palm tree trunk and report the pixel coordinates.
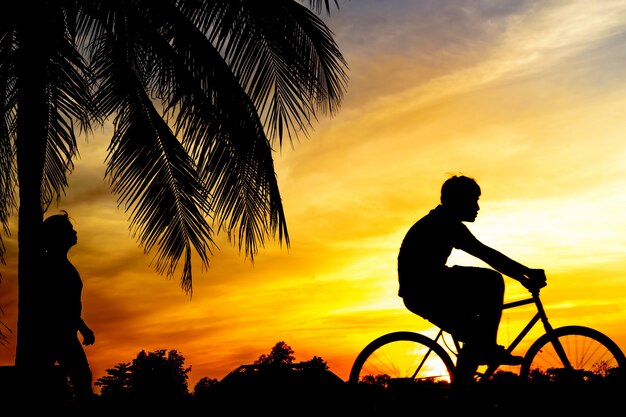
(31, 148)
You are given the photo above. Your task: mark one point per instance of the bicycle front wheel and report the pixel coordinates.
(574, 354)
(402, 357)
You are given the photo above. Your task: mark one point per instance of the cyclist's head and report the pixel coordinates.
(461, 193)
(459, 188)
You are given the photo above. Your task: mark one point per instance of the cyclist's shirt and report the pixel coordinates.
(426, 248)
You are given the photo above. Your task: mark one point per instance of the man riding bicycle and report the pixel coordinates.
(462, 300)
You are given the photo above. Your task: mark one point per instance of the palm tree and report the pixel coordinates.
(199, 92)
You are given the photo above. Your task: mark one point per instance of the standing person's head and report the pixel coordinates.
(460, 195)
(58, 233)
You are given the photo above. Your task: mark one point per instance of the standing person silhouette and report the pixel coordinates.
(62, 292)
(462, 300)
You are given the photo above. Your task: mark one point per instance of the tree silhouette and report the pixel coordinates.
(315, 364)
(199, 92)
(277, 381)
(158, 375)
(204, 387)
(117, 382)
(281, 354)
(381, 380)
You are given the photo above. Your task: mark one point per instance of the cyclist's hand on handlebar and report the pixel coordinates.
(535, 279)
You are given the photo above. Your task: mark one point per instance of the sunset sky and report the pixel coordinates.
(527, 97)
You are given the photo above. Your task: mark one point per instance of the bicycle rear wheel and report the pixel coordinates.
(402, 357)
(590, 356)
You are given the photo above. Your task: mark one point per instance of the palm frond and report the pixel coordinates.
(154, 178)
(222, 130)
(320, 5)
(156, 181)
(8, 173)
(69, 99)
(285, 57)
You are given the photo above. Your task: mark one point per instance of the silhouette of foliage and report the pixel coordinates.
(381, 380)
(315, 364)
(204, 387)
(158, 375)
(277, 379)
(279, 364)
(600, 373)
(281, 354)
(117, 382)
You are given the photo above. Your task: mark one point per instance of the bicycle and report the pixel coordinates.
(564, 354)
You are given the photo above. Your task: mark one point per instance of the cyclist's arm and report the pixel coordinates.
(529, 277)
(497, 260)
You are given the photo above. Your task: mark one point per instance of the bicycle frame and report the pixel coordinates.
(540, 315)
(559, 354)
(564, 354)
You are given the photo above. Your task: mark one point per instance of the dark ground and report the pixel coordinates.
(329, 398)
(501, 400)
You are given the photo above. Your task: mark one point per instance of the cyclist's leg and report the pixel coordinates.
(452, 302)
(479, 297)
(449, 304)
(478, 301)
(472, 314)
(467, 303)
(464, 374)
